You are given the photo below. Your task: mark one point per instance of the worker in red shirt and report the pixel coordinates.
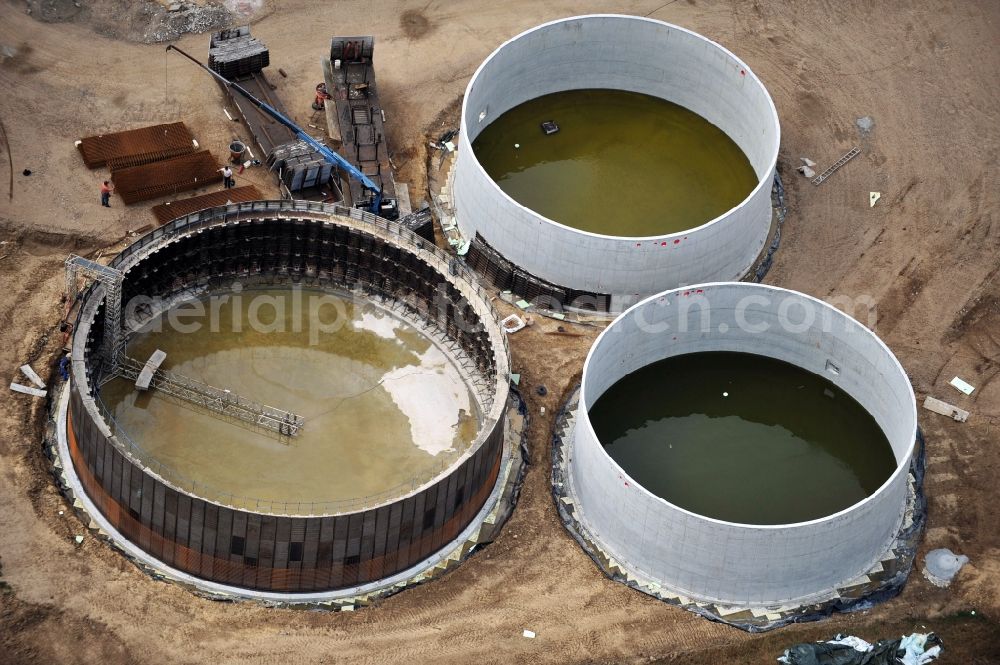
(106, 190)
(321, 96)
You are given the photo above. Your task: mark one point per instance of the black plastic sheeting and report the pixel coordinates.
(883, 652)
(778, 203)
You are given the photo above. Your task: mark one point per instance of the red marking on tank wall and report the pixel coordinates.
(638, 244)
(743, 72)
(663, 244)
(677, 241)
(700, 291)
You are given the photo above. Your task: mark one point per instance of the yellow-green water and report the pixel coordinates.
(622, 163)
(384, 408)
(743, 438)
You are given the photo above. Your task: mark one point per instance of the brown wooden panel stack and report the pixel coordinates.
(170, 176)
(174, 209)
(136, 146)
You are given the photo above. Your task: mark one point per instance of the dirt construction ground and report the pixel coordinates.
(926, 72)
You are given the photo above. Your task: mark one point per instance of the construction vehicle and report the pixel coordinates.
(375, 203)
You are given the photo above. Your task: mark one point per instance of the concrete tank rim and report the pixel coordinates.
(769, 171)
(901, 467)
(331, 216)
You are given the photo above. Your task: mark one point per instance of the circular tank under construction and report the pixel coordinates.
(604, 158)
(742, 445)
(299, 398)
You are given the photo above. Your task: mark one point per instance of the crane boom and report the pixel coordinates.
(325, 152)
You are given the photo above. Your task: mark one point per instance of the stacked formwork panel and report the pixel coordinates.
(235, 53)
(135, 147)
(174, 209)
(169, 176)
(287, 550)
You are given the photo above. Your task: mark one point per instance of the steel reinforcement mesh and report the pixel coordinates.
(165, 212)
(135, 147)
(170, 176)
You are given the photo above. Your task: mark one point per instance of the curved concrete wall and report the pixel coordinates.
(710, 559)
(302, 243)
(639, 55)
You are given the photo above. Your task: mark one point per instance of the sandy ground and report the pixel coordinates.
(927, 254)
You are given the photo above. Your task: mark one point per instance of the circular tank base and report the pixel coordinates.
(480, 530)
(882, 581)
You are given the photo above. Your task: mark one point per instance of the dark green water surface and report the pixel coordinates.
(743, 438)
(622, 163)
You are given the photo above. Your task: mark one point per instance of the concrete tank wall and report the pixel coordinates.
(633, 54)
(714, 560)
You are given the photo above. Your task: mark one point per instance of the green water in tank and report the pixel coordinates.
(622, 163)
(385, 409)
(743, 438)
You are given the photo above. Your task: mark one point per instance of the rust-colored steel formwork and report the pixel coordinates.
(136, 146)
(173, 209)
(170, 176)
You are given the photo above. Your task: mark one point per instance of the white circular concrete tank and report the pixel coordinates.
(712, 560)
(637, 55)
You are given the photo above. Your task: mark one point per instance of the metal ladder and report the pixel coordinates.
(854, 152)
(111, 278)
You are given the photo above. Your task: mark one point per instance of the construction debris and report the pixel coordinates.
(961, 385)
(873, 198)
(806, 171)
(530, 634)
(914, 649)
(32, 376)
(27, 390)
(808, 162)
(945, 409)
(941, 566)
(512, 324)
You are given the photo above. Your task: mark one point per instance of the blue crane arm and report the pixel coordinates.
(328, 155)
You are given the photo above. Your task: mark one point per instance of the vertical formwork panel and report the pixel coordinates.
(406, 511)
(392, 538)
(159, 515)
(251, 550)
(340, 526)
(223, 545)
(366, 551)
(169, 525)
(352, 556)
(378, 546)
(424, 522)
(265, 562)
(413, 522)
(184, 521)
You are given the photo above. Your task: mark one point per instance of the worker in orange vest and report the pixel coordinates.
(321, 96)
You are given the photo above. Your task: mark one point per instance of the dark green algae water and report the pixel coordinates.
(743, 438)
(622, 163)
